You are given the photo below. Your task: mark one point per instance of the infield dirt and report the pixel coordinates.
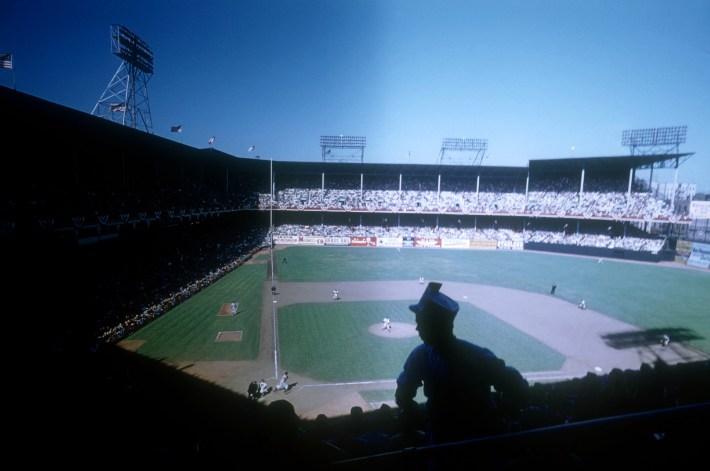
(577, 334)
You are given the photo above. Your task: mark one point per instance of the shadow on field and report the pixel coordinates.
(644, 338)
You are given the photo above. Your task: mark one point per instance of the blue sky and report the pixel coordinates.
(537, 79)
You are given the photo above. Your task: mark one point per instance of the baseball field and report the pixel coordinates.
(338, 355)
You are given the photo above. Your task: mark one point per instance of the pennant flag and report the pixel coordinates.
(251, 148)
(6, 60)
(210, 141)
(118, 106)
(177, 128)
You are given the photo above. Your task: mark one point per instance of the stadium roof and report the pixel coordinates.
(396, 169)
(605, 165)
(608, 164)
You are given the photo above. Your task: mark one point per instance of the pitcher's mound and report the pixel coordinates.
(399, 330)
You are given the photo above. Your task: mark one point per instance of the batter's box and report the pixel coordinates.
(229, 336)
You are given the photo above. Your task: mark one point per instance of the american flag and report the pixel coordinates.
(177, 128)
(118, 106)
(251, 148)
(6, 60)
(210, 141)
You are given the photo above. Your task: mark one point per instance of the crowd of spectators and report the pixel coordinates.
(609, 205)
(176, 268)
(652, 417)
(618, 394)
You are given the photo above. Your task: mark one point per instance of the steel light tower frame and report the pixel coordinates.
(655, 140)
(332, 147)
(474, 150)
(125, 99)
(660, 141)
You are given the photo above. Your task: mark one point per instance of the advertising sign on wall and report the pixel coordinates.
(700, 256)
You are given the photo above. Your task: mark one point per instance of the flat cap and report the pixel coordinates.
(436, 303)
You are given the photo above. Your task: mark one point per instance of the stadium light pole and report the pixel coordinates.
(658, 140)
(328, 143)
(477, 146)
(125, 100)
(663, 140)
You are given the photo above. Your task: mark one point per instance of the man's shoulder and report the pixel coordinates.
(470, 348)
(463, 343)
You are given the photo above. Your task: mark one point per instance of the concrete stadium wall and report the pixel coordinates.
(597, 252)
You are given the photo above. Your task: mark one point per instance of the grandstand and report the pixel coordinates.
(118, 179)
(108, 220)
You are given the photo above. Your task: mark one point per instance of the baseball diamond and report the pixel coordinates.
(587, 339)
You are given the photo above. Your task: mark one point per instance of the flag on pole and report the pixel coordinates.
(328, 151)
(251, 148)
(6, 60)
(210, 141)
(118, 106)
(177, 128)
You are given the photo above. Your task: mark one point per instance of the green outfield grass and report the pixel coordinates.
(319, 340)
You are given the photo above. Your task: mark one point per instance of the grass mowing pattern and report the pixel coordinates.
(329, 342)
(348, 352)
(645, 295)
(188, 332)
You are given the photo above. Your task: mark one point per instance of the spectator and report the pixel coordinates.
(289, 445)
(457, 376)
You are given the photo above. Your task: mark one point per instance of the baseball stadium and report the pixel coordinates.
(183, 275)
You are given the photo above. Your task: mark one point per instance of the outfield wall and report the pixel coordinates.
(443, 243)
(699, 255)
(399, 242)
(694, 254)
(599, 252)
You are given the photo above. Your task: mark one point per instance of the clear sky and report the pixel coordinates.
(539, 79)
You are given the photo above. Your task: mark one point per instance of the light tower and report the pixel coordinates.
(659, 141)
(654, 140)
(471, 151)
(125, 100)
(332, 148)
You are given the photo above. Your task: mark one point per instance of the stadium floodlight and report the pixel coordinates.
(329, 144)
(654, 139)
(132, 49)
(125, 100)
(474, 148)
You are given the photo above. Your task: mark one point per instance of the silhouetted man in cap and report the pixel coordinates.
(457, 377)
